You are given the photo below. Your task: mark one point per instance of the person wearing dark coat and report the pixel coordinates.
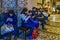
(11, 21)
(34, 9)
(3, 16)
(41, 18)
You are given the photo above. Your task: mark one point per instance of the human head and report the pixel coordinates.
(30, 12)
(25, 10)
(45, 11)
(5, 10)
(11, 12)
(34, 8)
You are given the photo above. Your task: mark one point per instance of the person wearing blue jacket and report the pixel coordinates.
(26, 21)
(3, 16)
(34, 18)
(11, 20)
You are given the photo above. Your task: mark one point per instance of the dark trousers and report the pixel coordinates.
(42, 23)
(42, 26)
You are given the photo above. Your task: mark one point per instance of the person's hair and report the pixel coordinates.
(3, 9)
(45, 11)
(30, 11)
(11, 11)
(38, 9)
(34, 8)
(25, 10)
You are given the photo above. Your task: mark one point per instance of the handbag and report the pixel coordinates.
(34, 33)
(6, 28)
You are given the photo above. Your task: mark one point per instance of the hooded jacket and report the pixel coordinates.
(3, 17)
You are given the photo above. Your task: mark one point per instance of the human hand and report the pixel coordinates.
(9, 19)
(29, 16)
(33, 16)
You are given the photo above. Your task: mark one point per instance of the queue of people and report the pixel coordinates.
(27, 19)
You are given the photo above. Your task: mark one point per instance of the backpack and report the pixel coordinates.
(35, 33)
